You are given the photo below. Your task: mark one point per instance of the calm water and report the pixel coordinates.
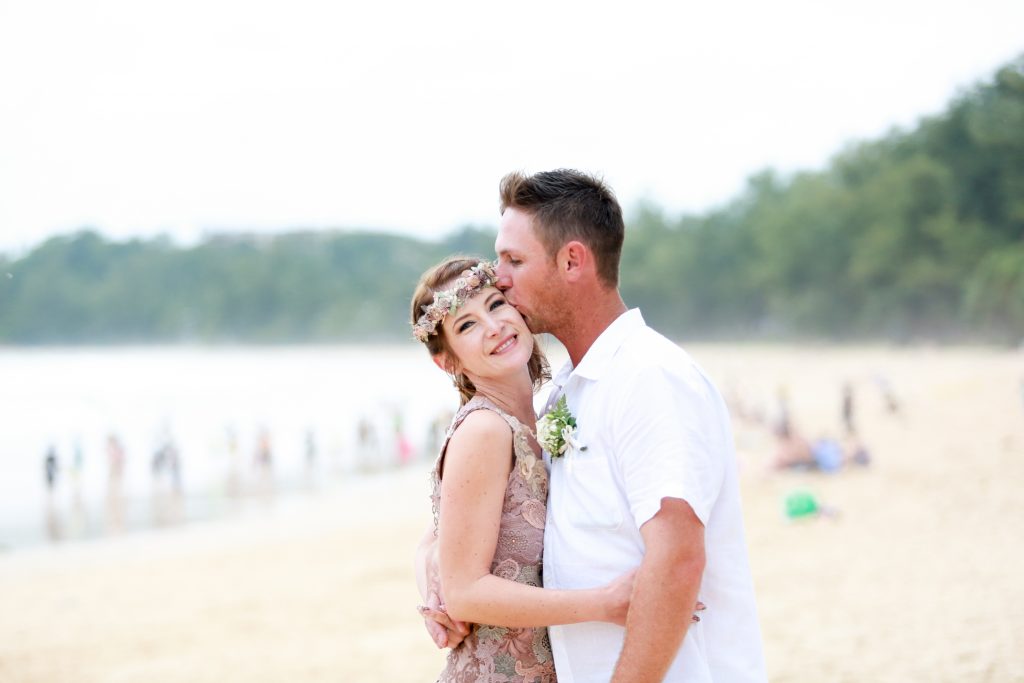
(250, 425)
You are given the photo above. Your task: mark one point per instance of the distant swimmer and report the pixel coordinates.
(403, 447)
(115, 460)
(263, 458)
(50, 467)
(310, 448)
(77, 462)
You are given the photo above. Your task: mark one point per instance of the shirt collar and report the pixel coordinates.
(601, 352)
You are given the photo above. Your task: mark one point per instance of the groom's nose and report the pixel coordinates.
(504, 280)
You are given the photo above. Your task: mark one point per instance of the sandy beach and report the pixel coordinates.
(916, 576)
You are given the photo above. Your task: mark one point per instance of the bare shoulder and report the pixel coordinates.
(480, 446)
(483, 433)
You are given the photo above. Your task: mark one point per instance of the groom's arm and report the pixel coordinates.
(664, 593)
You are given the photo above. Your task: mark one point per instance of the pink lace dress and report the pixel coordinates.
(497, 654)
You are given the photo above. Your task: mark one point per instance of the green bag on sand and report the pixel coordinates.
(800, 504)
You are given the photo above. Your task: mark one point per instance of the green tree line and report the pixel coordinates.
(917, 235)
(295, 287)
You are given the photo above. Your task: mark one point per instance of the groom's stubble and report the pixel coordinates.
(532, 285)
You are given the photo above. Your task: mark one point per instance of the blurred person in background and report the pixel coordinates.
(263, 457)
(847, 409)
(115, 477)
(50, 468)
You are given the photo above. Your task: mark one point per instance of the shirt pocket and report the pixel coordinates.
(592, 496)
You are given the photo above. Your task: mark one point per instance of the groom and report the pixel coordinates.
(656, 485)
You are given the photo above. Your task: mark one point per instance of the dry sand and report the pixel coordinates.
(918, 577)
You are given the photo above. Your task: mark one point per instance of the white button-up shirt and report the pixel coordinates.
(654, 426)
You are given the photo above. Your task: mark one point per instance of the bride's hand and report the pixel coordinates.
(445, 631)
(618, 594)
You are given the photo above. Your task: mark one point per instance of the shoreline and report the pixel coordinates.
(290, 515)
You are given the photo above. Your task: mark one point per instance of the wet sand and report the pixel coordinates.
(916, 576)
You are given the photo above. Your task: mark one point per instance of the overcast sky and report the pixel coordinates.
(182, 117)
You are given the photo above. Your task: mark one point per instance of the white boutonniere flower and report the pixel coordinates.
(557, 430)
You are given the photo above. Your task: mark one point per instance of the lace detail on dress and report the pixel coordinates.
(498, 654)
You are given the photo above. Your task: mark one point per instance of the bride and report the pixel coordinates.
(484, 550)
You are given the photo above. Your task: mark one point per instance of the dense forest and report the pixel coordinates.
(915, 236)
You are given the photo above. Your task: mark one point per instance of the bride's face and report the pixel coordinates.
(488, 337)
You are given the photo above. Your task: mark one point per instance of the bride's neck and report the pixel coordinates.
(513, 394)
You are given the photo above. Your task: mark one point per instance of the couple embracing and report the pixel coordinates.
(593, 552)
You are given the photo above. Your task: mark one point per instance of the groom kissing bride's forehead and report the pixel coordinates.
(560, 236)
(649, 481)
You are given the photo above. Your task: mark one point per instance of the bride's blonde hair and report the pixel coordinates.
(436, 279)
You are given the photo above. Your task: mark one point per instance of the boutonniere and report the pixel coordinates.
(556, 431)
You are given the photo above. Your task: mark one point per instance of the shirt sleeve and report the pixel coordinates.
(665, 433)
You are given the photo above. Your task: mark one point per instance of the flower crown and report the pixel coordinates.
(469, 283)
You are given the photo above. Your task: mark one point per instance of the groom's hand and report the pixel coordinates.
(443, 630)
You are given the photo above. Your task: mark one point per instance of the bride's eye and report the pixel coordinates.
(496, 303)
(465, 326)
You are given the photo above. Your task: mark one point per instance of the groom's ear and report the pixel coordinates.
(573, 260)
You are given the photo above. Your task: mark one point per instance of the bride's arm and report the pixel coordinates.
(477, 464)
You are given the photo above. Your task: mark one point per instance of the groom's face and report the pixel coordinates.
(526, 273)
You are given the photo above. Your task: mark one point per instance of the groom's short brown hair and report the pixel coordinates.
(567, 204)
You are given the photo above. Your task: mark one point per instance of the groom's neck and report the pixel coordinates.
(588, 318)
